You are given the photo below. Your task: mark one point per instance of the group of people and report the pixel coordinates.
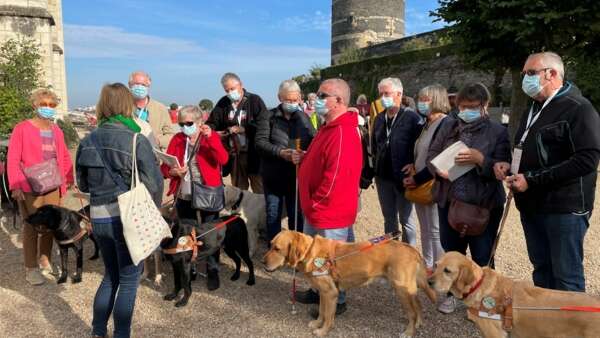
(313, 157)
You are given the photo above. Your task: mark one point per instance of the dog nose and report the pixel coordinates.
(430, 281)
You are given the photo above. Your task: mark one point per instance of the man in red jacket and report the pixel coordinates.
(329, 174)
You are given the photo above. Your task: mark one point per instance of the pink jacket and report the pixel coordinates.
(25, 149)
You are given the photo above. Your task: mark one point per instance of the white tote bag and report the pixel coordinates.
(143, 225)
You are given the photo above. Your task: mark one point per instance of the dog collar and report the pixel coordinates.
(473, 288)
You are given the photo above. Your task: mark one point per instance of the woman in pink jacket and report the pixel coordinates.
(34, 141)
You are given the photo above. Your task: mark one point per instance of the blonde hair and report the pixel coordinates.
(42, 93)
(439, 98)
(115, 99)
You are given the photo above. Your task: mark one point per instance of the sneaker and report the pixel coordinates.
(448, 306)
(212, 283)
(34, 276)
(50, 271)
(307, 297)
(339, 309)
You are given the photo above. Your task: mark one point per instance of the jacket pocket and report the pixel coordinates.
(554, 143)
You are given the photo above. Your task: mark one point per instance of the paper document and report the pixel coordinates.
(445, 161)
(169, 160)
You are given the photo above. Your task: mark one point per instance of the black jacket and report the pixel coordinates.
(220, 119)
(390, 158)
(560, 155)
(275, 133)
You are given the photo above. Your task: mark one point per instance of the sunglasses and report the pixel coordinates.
(47, 104)
(189, 124)
(323, 96)
(532, 72)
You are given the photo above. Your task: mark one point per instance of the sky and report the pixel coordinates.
(186, 45)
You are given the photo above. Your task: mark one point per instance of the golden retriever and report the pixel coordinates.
(500, 305)
(354, 265)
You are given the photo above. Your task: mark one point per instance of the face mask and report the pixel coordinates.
(531, 85)
(387, 102)
(469, 115)
(424, 108)
(139, 91)
(189, 130)
(46, 112)
(290, 107)
(321, 107)
(234, 95)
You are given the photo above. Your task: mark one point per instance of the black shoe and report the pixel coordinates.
(339, 309)
(307, 297)
(212, 283)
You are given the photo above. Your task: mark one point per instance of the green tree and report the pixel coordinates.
(492, 34)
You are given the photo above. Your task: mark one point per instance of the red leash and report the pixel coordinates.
(592, 309)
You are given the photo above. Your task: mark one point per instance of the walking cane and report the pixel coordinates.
(294, 311)
(502, 222)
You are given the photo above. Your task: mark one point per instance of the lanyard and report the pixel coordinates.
(532, 119)
(389, 125)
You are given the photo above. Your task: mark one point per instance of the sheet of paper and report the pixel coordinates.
(170, 160)
(445, 161)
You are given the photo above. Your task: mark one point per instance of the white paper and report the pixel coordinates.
(169, 160)
(445, 161)
(516, 160)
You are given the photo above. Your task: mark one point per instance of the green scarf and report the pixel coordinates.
(127, 121)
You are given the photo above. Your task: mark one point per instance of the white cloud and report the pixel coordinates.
(86, 41)
(305, 23)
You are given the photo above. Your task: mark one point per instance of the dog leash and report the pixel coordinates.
(219, 225)
(562, 308)
(509, 198)
(386, 238)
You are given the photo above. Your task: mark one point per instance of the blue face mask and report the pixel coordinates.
(531, 85)
(289, 107)
(139, 91)
(321, 107)
(424, 108)
(387, 102)
(189, 130)
(469, 115)
(234, 95)
(46, 112)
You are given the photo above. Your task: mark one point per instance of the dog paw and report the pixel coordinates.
(320, 332)
(170, 296)
(235, 276)
(314, 324)
(61, 280)
(76, 280)
(182, 302)
(250, 281)
(406, 334)
(158, 280)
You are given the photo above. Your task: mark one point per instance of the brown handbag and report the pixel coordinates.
(468, 219)
(421, 194)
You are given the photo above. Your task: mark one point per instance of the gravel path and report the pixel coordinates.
(235, 309)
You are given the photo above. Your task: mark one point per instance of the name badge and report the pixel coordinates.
(516, 160)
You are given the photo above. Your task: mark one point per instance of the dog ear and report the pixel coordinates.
(465, 278)
(297, 249)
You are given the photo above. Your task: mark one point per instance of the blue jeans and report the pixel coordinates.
(117, 291)
(555, 248)
(394, 207)
(274, 206)
(335, 234)
(479, 246)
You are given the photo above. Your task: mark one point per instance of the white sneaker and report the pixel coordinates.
(34, 276)
(50, 271)
(448, 306)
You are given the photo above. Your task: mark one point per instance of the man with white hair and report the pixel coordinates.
(149, 110)
(277, 132)
(557, 148)
(395, 132)
(235, 117)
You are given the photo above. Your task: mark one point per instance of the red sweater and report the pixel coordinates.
(211, 155)
(25, 150)
(329, 174)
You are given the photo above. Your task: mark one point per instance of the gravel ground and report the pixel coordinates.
(262, 310)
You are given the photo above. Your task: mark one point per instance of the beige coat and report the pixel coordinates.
(160, 122)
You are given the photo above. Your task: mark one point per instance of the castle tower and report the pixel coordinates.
(40, 20)
(360, 23)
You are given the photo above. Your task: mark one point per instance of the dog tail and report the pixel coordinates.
(423, 284)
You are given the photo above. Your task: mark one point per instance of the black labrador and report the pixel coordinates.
(65, 225)
(179, 251)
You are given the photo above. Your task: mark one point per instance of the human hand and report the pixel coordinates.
(408, 169)
(205, 130)
(442, 174)
(517, 183)
(501, 169)
(18, 195)
(236, 130)
(297, 156)
(409, 182)
(178, 172)
(469, 156)
(286, 154)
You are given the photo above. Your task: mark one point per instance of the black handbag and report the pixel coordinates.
(204, 197)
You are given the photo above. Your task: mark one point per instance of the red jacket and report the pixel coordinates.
(211, 155)
(329, 174)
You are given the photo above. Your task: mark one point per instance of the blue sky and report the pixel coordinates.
(186, 45)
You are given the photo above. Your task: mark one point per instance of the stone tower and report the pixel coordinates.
(40, 20)
(360, 23)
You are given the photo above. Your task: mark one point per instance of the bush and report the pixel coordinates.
(71, 137)
(14, 108)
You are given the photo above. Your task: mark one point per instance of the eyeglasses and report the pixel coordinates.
(323, 96)
(47, 104)
(532, 72)
(189, 123)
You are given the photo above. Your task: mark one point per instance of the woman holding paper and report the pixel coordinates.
(470, 206)
(200, 154)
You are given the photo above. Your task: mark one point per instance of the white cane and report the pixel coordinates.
(294, 311)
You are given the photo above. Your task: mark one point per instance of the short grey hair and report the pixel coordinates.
(289, 86)
(551, 60)
(312, 96)
(230, 76)
(393, 81)
(139, 72)
(190, 110)
(342, 89)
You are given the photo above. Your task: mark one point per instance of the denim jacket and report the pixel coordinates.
(115, 141)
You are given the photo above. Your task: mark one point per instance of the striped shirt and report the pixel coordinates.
(48, 146)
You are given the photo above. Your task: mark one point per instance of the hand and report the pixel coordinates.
(205, 130)
(408, 169)
(178, 172)
(70, 185)
(286, 154)
(442, 174)
(409, 182)
(501, 169)
(517, 183)
(469, 156)
(297, 156)
(18, 195)
(237, 130)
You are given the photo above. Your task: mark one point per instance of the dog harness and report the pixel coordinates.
(184, 244)
(496, 307)
(77, 237)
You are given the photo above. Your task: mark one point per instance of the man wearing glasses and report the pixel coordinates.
(557, 148)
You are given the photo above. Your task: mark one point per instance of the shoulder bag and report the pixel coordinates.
(204, 197)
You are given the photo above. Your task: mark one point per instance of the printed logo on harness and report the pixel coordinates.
(182, 240)
(319, 262)
(488, 302)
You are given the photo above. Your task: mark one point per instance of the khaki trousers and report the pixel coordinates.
(37, 245)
